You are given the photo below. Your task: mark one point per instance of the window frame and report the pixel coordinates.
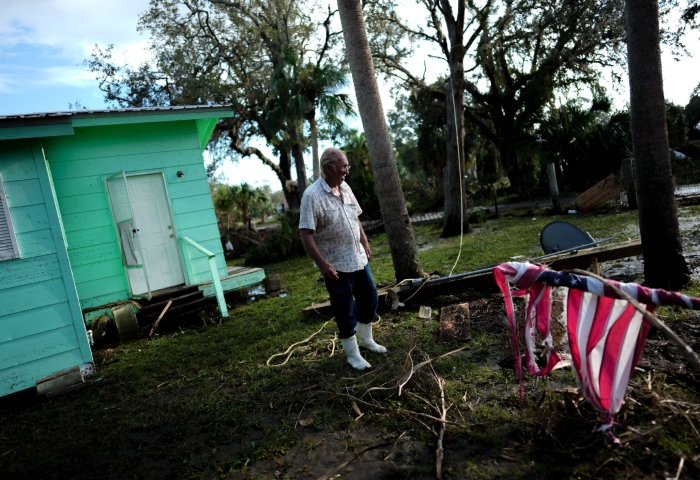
(5, 213)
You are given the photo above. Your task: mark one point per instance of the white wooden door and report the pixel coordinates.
(127, 230)
(161, 255)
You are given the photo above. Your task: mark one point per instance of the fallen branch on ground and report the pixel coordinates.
(290, 350)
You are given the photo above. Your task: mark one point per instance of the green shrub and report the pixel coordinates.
(281, 244)
(422, 195)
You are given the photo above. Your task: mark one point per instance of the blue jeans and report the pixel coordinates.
(354, 299)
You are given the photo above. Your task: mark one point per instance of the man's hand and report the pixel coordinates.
(328, 272)
(364, 241)
(368, 251)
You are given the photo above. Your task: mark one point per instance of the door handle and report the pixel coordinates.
(172, 236)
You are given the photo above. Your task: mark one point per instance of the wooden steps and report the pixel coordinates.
(187, 301)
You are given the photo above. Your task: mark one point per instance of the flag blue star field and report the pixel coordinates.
(606, 334)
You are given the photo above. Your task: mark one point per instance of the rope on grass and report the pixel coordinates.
(459, 171)
(291, 348)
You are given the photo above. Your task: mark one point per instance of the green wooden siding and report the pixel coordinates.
(79, 165)
(40, 321)
(20, 377)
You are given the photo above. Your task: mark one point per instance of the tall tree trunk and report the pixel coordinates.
(289, 187)
(455, 217)
(311, 117)
(399, 231)
(298, 155)
(664, 265)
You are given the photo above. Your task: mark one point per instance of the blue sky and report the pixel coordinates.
(43, 44)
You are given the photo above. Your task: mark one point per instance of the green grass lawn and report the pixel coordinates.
(202, 402)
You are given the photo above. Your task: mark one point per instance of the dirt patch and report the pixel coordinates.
(455, 324)
(632, 269)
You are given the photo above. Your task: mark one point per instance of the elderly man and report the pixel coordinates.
(333, 237)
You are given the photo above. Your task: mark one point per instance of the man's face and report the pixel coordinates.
(338, 170)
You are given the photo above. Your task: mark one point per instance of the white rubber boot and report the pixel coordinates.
(364, 338)
(353, 353)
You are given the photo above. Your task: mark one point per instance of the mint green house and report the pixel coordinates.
(96, 208)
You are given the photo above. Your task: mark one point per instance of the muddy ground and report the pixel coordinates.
(326, 421)
(388, 455)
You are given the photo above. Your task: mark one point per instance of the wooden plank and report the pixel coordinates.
(96, 271)
(196, 203)
(160, 117)
(78, 327)
(22, 193)
(24, 376)
(35, 295)
(233, 271)
(85, 185)
(188, 188)
(83, 203)
(194, 171)
(195, 219)
(102, 286)
(213, 245)
(199, 269)
(30, 218)
(59, 380)
(29, 349)
(34, 244)
(27, 271)
(95, 254)
(16, 162)
(36, 131)
(33, 322)
(599, 193)
(87, 220)
(138, 129)
(104, 299)
(92, 237)
(118, 142)
(604, 253)
(205, 127)
(485, 281)
(251, 277)
(201, 235)
(68, 389)
(132, 164)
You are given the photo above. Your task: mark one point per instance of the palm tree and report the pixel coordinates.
(319, 85)
(287, 114)
(664, 264)
(242, 198)
(399, 231)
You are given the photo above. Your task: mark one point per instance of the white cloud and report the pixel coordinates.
(72, 26)
(68, 30)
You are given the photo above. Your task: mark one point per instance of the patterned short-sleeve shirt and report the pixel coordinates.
(335, 225)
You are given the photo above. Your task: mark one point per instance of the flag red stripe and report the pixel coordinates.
(611, 356)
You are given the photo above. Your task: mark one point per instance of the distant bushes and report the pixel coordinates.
(283, 243)
(423, 195)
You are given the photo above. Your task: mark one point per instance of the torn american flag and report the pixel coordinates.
(606, 334)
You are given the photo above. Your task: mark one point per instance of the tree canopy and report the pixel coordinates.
(518, 54)
(251, 55)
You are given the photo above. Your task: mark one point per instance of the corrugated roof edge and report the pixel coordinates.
(51, 118)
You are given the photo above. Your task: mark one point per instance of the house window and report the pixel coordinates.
(8, 241)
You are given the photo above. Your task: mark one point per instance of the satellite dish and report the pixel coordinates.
(558, 236)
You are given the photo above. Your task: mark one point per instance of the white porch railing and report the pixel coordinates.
(216, 282)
